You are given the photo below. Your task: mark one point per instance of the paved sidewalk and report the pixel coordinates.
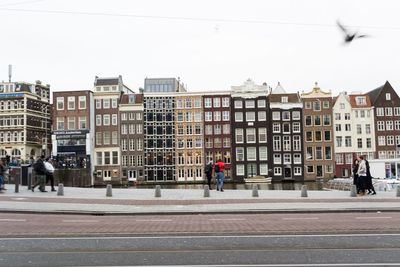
(191, 201)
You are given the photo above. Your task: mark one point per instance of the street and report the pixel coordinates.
(296, 239)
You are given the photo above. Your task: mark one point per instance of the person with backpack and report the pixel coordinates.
(208, 171)
(40, 171)
(219, 169)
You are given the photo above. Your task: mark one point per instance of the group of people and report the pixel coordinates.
(44, 171)
(219, 168)
(362, 178)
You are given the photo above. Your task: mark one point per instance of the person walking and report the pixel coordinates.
(49, 173)
(219, 168)
(2, 172)
(208, 171)
(355, 175)
(40, 171)
(362, 175)
(368, 184)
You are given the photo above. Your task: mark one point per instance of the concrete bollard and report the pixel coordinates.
(398, 191)
(158, 191)
(109, 190)
(206, 191)
(304, 191)
(254, 191)
(16, 182)
(353, 191)
(60, 191)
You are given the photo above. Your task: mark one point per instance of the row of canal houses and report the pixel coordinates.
(166, 134)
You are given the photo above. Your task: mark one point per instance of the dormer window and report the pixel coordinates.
(388, 97)
(361, 101)
(284, 99)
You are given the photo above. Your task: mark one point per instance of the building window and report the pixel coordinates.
(347, 141)
(106, 138)
(369, 144)
(339, 141)
(277, 159)
(250, 116)
(388, 96)
(71, 102)
(251, 135)
(308, 120)
(261, 103)
(389, 125)
(328, 153)
(284, 99)
(106, 119)
(390, 140)
(217, 115)
(60, 103)
(380, 112)
(310, 169)
(297, 171)
(286, 143)
(217, 102)
(276, 115)
(225, 102)
(286, 127)
(114, 138)
(106, 103)
(225, 115)
(309, 136)
(277, 171)
(207, 102)
(297, 143)
(389, 112)
(276, 127)
(240, 169)
(286, 115)
(99, 158)
(297, 158)
(82, 123)
(308, 105)
(318, 136)
(309, 153)
(114, 119)
(263, 169)
(250, 104)
(238, 104)
(114, 103)
(327, 120)
(60, 123)
(296, 127)
(82, 102)
(115, 157)
(71, 123)
(381, 125)
(98, 103)
(276, 143)
(239, 135)
(239, 154)
(263, 152)
(317, 105)
(238, 116)
(325, 104)
(262, 116)
(327, 136)
(99, 138)
(296, 115)
(262, 135)
(251, 153)
(361, 101)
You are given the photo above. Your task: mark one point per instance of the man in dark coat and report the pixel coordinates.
(40, 171)
(208, 171)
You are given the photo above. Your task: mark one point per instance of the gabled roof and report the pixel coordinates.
(374, 94)
(353, 101)
(278, 89)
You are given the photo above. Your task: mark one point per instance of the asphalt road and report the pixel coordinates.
(310, 239)
(31, 225)
(257, 250)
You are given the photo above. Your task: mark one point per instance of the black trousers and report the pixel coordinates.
(50, 177)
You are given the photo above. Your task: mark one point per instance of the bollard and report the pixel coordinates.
(29, 181)
(255, 191)
(158, 191)
(304, 191)
(353, 191)
(16, 182)
(60, 191)
(398, 191)
(206, 191)
(109, 190)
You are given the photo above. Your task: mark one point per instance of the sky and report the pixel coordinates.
(209, 44)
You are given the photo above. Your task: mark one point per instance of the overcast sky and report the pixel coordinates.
(209, 44)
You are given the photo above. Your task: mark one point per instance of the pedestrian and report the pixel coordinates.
(2, 172)
(40, 171)
(368, 185)
(50, 173)
(208, 171)
(362, 175)
(219, 168)
(355, 175)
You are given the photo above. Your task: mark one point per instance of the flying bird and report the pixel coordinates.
(350, 36)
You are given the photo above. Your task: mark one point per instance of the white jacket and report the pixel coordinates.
(49, 167)
(362, 169)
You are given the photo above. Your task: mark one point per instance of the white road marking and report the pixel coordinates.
(226, 219)
(80, 221)
(295, 219)
(361, 218)
(19, 198)
(154, 220)
(12, 220)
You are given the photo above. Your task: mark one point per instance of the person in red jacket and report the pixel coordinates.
(219, 168)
